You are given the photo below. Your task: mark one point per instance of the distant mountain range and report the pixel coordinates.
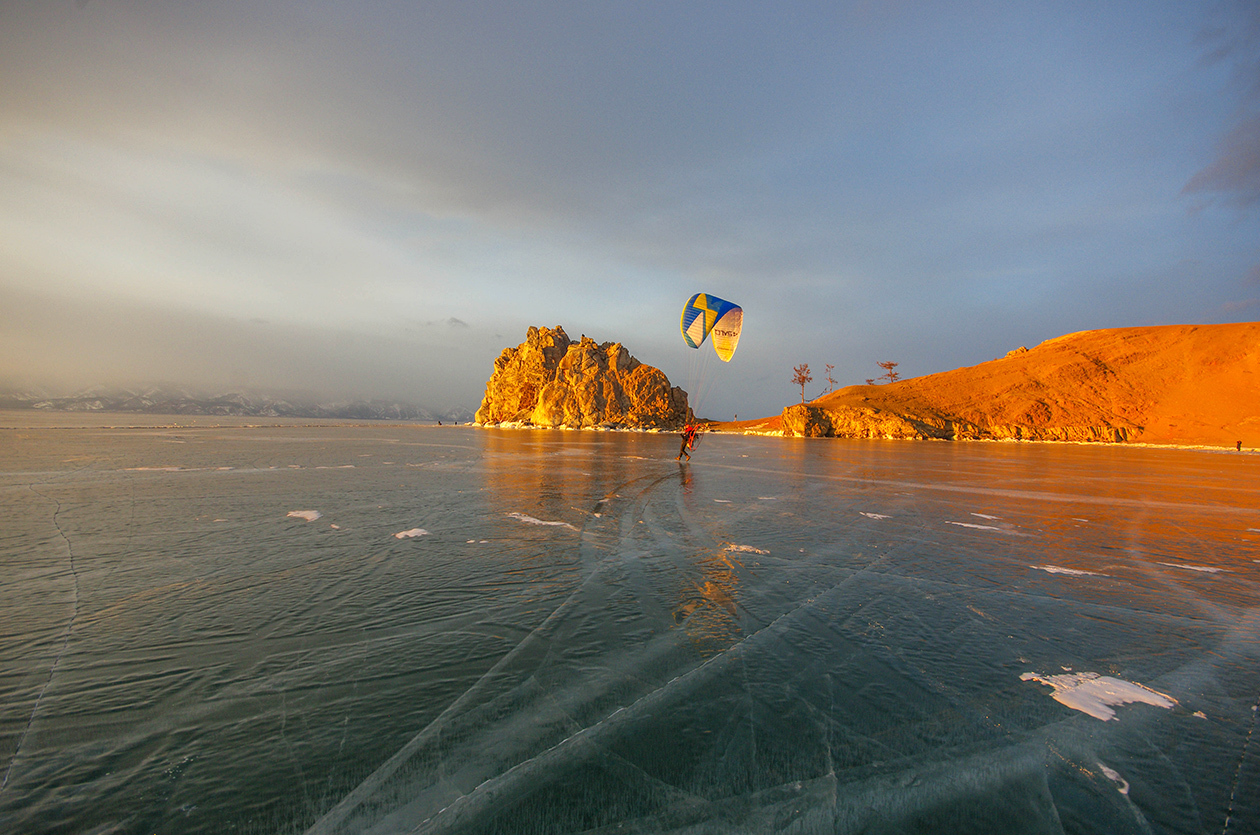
(168, 401)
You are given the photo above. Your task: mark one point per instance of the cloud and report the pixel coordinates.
(869, 181)
(1234, 40)
(1237, 307)
(1235, 173)
(69, 342)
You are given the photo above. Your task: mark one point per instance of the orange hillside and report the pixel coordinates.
(1176, 384)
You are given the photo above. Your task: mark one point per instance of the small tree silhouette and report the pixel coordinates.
(801, 377)
(889, 373)
(831, 382)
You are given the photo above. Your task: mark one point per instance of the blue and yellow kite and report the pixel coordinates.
(705, 314)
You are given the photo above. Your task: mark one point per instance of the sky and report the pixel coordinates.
(372, 200)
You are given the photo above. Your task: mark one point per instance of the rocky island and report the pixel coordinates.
(550, 380)
(1174, 384)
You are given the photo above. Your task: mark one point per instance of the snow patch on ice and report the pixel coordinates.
(1076, 572)
(308, 515)
(1199, 714)
(977, 527)
(340, 467)
(1114, 776)
(1095, 694)
(1207, 569)
(722, 501)
(532, 521)
(745, 548)
(411, 534)
(873, 515)
(986, 516)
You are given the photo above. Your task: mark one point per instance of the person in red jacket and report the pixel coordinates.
(688, 441)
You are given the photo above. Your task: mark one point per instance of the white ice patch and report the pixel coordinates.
(324, 467)
(1114, 776)
(986, 516)
(722, 501)
(1076, 572)
(977, 527)
(745, 548)
(411, 534)
(1094, 694)
(873, 515)
(532, 521)
(308, 515)
(1207, 569)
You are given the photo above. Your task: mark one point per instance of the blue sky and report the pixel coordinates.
(374, 199)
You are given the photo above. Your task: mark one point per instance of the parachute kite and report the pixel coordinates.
(705, 314)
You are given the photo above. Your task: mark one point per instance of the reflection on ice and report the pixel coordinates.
(818, 652)
(1095, 694)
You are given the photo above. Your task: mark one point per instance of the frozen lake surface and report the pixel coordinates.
(392, 628)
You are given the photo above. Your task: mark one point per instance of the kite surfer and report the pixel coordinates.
(688, 441)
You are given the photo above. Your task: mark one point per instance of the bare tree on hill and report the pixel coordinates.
(800, 377)
(890, 373)
(831, 381)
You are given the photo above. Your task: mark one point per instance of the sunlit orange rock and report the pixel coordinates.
(551, 380)
(1175, 384)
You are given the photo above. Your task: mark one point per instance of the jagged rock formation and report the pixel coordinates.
(1181, 384)
(550, 380)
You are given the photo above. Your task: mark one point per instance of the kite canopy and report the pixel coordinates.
(705, 314)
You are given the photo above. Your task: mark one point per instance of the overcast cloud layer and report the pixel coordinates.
(374, 199)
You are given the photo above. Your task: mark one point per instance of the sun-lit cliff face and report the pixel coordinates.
(551, 380)
(1176, 384)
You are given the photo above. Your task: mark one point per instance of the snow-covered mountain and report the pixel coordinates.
(178, 401)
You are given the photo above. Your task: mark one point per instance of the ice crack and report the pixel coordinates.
(65, 642)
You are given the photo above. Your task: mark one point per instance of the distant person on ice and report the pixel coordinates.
(688, 441)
